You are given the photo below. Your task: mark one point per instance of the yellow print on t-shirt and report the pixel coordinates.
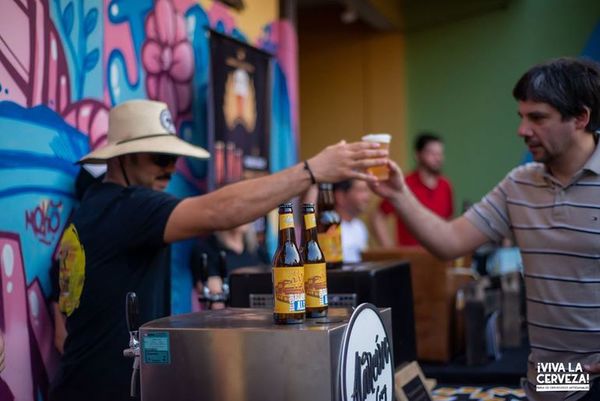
(71, 271)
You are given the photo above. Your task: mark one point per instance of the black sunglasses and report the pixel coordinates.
(163, 160)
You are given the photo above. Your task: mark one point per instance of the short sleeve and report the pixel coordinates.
(386, 207)
(451, 199)
(490, 215)
(144, 213)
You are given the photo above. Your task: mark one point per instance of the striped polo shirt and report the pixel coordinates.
(557, 229)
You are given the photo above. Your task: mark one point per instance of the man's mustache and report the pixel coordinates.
(164, 177)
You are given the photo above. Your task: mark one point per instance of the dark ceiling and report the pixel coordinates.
(403, 15)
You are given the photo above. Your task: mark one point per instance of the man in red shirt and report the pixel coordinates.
(428, 184)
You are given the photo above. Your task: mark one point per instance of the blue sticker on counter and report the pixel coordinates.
(156, 347)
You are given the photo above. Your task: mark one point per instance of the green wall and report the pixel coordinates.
(460, 77)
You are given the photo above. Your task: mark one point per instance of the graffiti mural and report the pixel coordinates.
(44, 220)
(37, 152)
(63, 65)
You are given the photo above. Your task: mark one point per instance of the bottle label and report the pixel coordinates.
(315, 284)
(288, 289)
(310, 221)
(331, 243)
(286, 221)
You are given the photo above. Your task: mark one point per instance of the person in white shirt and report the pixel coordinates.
(352, 199)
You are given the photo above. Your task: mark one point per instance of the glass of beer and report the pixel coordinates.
(382, 172)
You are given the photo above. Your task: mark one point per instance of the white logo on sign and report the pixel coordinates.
(560, 376)
(367, 366)
(167, 121)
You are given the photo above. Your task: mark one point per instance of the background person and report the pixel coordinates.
(549, 208)
(118, 238)
(241, 250)
(351, 200)
(427, 184)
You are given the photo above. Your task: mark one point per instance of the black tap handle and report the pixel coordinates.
(223, 264)
(204, 267)
(132, 311)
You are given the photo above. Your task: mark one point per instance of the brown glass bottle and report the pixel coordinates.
(288, 273)
(315, 274)
(328, 227)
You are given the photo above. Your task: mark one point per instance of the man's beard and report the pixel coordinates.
(433, 170)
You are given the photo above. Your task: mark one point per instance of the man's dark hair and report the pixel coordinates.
(424, 138)
(567, 84)
(343, 186)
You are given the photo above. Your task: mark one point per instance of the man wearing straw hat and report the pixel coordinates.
(118, 237)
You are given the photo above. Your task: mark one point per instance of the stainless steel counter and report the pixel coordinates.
(239, 354)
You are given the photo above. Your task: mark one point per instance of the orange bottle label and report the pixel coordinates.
(286, 221)
(310, 221)
(331, 243)
(315, 284)
(288, 289)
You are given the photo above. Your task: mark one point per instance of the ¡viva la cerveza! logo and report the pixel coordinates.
(560, 376)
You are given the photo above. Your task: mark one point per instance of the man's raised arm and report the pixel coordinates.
(445, 239)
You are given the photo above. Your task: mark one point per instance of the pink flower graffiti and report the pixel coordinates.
(89, 116)
(168, 58)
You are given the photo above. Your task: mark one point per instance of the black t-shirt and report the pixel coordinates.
(233, 260)
(121, 231)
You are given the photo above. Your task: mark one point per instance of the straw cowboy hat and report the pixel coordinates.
(139, 126)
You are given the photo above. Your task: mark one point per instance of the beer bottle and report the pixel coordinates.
(328, 227)
(288, 272)
(315, 276)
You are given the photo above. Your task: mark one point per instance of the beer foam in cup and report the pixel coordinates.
(382, 171)
(381, 138)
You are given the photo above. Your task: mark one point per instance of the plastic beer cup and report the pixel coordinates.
(382, 172)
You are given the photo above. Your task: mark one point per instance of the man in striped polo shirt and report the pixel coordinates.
(551, 209)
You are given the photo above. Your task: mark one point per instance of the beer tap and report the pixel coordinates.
(204, 297)
(132, 317)
(204, 267)
(224, 276)
(208, 297)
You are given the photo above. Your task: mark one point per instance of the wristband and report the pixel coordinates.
(307, 168)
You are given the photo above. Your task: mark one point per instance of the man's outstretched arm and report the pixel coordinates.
(445, 239)
(245, 201)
